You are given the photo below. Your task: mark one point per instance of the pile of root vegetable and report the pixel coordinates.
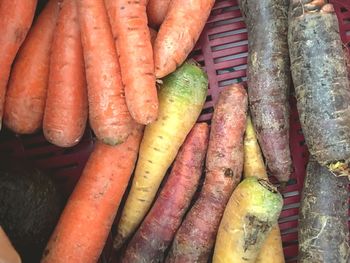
(121, 66)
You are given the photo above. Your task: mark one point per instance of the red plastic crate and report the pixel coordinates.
(222, 50)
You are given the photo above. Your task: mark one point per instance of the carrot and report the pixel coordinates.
(86, 220)
(181, 98)
(321, 83)
(129, 25)
(66, 103)
(153, 34)
(16, 19)
(196, 236)
(158, 229)
(156, 12)
(269, 80)
(108, 114)
(179, 33)
(8, 253)
(27, 88)
(252, 210)
(323, 231)
(271, 250)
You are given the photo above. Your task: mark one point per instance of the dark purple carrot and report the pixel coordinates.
(323, 230)
(196, 236)
(321, 82)
(269, 80)
(158, 229)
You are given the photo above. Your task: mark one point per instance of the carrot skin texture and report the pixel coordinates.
(129, 25)
(323, 217)
(269, 80)
(176, 39)
(108, 114)
(253, 208)
(321, 83)
(184, 90)
(195, 239)
(158, 228)
(27, 88)
(153, 34)
(66, 108)
(88, 216)
(271, 250)
(16, 19)
(156, 12)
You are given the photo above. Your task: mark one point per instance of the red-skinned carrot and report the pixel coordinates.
(108, 113)
(66, 103)
(129, 26)
(196, 236)
(27, 88)
(88, 216)
(158, 229)
(16, 19)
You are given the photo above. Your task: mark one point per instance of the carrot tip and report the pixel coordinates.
(118, 242)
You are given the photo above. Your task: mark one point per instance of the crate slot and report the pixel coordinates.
(231, 69)
(228, 82)
(229, 18)
(226, 33)
(229, 45)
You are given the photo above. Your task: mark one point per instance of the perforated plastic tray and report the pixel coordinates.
(222, 50)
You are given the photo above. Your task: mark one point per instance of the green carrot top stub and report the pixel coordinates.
(188, 83)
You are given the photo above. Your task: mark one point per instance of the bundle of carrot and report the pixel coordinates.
(196, 236)
(91, 60)
(181, 99)
(158, 229)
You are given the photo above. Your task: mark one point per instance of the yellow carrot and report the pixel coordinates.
(250, 213)
(181, 99)
(272, 250)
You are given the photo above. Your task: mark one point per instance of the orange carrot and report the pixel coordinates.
(129, 26)
(86, 220)
(179, 33)
(156, 12)
(26, 95)
(108, 113)
(153, 34)
(66, 104)
(16, 17)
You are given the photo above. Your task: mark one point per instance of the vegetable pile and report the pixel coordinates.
(171, 188)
